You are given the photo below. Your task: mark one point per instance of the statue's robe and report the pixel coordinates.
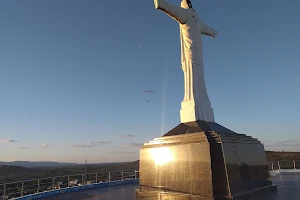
(196, 101)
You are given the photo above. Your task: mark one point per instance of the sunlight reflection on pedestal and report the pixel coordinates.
(161, 155)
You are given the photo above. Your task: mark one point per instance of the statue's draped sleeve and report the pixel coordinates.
(182, 50)
(177, 13)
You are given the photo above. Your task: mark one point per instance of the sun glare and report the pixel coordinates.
(161, 155)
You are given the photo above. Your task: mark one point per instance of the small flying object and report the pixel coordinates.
(148, 91)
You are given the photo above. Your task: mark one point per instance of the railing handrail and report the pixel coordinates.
(291, 160)
(103, 172)
(51, 177)
(20, 188)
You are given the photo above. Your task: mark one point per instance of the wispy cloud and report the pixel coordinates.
(264, 141)
(89, 145)
(133, 145)
(99, 143)
(44, 145)
(17, 147)
(80, 145)
(7, 141)
(289, 143)
(285, 145)
(128, 135)
(122, 152)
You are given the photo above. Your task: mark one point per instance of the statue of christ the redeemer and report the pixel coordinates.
(195, 105)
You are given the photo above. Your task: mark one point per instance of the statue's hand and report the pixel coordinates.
(214, 34)
(158, 3)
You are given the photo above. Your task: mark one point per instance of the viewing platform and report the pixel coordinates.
(122, 185)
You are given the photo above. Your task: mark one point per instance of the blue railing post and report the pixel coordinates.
(96, 177)
(122, 175)
(38, 189)
(294, 165)
(53, 183)
(22, 189)
(4, 191)
(108, 176)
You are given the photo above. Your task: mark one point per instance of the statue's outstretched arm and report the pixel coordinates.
(206, 30)
(177, 13)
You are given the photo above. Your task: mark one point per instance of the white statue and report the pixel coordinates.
(195, 105)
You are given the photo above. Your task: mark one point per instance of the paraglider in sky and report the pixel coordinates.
(148, 91)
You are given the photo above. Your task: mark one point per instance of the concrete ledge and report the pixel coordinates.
(75, 189)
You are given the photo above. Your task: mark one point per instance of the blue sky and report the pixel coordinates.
(73, 73)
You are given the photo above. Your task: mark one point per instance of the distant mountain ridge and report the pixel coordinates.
(29, 164)
(271, 156)
(49, 164)
(9, 170)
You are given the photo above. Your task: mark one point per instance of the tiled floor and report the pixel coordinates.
(121, 192)
(288, 185)
(288, 189)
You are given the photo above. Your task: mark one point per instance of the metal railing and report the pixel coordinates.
(284, 165)
(35, 186)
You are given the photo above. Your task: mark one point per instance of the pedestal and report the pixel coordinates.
(203, 160)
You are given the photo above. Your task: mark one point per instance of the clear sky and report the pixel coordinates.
(72, 75)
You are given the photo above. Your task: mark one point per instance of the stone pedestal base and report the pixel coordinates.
(203, 160)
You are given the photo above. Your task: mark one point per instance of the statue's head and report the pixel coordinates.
(186, 4)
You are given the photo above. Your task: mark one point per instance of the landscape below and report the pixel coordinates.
(22, 170)
(9, 172)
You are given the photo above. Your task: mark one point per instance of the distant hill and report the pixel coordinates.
(137, 162)
(6, 170)
(28, 164)
(271, 156)
(280, 156)
(11, 173)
